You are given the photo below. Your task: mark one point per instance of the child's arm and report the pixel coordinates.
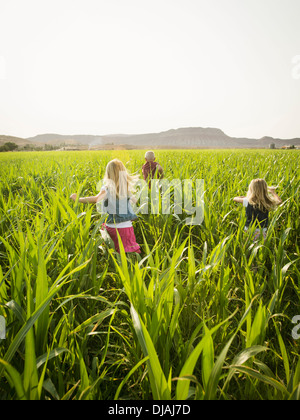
(160, 171)
(239, 199)
(92, 199)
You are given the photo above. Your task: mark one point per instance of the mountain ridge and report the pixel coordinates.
(184, 137)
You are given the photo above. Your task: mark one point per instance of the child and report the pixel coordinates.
(116, 193)
(258, 203)
(151, 169)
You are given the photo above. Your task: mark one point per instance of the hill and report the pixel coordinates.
(17, 140)
(188, 137)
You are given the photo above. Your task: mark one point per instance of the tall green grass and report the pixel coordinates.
(203, 313)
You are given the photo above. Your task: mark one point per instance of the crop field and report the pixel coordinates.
(204, 313)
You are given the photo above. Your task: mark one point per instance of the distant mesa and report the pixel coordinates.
(187, 137)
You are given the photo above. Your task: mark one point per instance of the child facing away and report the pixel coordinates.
(151, 169)
(117, 195)
(260, 200)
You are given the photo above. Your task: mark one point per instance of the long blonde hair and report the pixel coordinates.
(119, 182)
(259, 197)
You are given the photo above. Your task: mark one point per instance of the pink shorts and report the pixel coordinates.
(127, 236)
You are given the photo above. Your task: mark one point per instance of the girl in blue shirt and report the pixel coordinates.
(117, 195)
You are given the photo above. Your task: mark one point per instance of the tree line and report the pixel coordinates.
(11, 147)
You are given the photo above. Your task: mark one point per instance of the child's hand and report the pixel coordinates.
(73, 197)
(272, 189)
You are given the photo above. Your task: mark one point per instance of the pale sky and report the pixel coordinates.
(141, 66)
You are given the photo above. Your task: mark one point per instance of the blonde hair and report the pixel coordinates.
(119, 182)
(259, 197)
(149, 155)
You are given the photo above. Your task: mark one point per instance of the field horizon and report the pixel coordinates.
(184, 137)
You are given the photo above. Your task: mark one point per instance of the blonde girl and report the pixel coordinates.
(117, 193)
(259, 201)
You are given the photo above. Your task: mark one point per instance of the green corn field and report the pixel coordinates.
(203, 313)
